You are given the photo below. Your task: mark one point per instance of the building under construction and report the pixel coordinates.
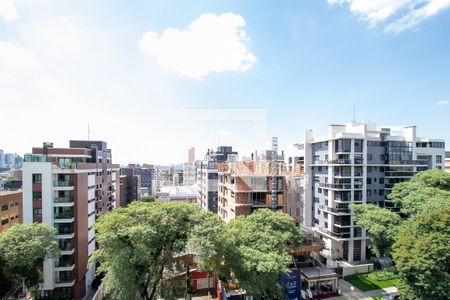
(249, 185)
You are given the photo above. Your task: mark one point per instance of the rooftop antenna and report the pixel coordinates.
(89, 132)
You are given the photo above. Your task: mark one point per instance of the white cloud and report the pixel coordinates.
(211, 43)
(14, 58)
(443, 103)
(55, 36)
(8, 10)
(403, 14)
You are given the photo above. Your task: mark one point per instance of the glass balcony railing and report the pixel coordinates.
(64, 263)
(64, 229)
(65, 245)
(64, 279)
(63, 215)
(67, 199)
(58, 183)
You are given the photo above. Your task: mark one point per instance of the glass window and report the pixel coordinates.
(37, 212)
(343, 145)
(438, 159)
(358, 145)
(37, 178)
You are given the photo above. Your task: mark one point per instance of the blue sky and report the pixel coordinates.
(303, 64)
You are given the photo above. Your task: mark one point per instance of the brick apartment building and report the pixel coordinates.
(69, 188)
(10, 209)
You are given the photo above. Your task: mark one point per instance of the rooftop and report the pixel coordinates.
(4, 193)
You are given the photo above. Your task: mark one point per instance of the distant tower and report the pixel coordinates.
(274, 159)
(191, 155)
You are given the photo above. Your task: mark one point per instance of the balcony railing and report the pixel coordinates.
(341, 161)
(64, 279)
(64, 215)
(64, 230)
(335, 210)
(64, 183)
(340, 186)
(64, 263)
(63, 199)
(341, 235)
(65, 245)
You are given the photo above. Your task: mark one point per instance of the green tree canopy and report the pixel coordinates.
(23, 247)
(425, 191)
(259, 250)
(139, 245)
(380, 223)
(422, 256)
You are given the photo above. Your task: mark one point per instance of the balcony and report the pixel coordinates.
(58, 183)
(340, 162)
(340, 186)
(337, 211)
(65, 265)
(66, 247)
(338, 235)
(64, 231)
(64, 217)
(64, 281)
(63, 201)
(66, 185)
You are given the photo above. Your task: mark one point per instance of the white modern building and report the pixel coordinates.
(356, 163)
(207, 175)
(68, 188)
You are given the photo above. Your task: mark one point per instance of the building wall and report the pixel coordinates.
(10, 209)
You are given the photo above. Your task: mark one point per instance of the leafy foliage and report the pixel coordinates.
(23, 247)
(259, 250)
(140, 246)
(382, 225)
(422, 256)
(149, 198)
(426, 191)
(421, 248)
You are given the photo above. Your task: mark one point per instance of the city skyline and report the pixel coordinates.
(304, 65)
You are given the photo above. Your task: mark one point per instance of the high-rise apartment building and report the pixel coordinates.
(207, 176)
(69, 188)
(356, 163)
(147, 173)
(189, 174)
(191, 155)
(130, 186)
(2, 159)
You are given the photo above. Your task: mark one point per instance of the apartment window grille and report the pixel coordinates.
(438, 159)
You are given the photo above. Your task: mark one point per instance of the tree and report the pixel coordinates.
(380, 223)
(139, 245)
(258, 251)
(148, 199)
(23, 248)
(422, 256)
(425, 191)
